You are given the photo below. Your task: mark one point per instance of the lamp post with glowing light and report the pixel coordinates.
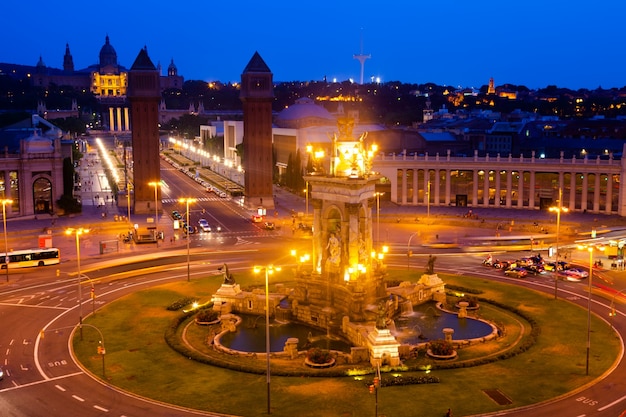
(77, 233)
(378, 194)
(306, 195)
(269, 270)
(156, 184)
(590, 249)
(187, 201)
(428, 200)
(408, 252)
(6, 244)
(558, 209)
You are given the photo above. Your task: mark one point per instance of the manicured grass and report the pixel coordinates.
(138, 360)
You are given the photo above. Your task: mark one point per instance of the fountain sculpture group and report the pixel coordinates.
(343, 290)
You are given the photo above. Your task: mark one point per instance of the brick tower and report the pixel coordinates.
(257, 94)
(144, 95)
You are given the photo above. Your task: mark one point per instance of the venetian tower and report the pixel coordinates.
(257, 94)
(144, 95)
(346, 279)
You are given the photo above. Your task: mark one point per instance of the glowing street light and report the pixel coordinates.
(6, 245)
(590, 249)
(558, 209)
(408, 252)
(77, 232)
(187, 201)
(306, 194)
(269, 270)
(378, 194)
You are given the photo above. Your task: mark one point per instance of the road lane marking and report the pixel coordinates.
(76, 397)
(60, 388)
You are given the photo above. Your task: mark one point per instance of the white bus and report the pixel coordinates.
(30, 257)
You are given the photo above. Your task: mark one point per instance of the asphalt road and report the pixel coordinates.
(43, 380)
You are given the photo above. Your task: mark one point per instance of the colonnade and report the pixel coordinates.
(588, 185)
(117, 123)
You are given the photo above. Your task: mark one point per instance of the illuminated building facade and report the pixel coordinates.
(530, 183)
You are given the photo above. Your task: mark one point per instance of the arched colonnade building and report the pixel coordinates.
(588, 184)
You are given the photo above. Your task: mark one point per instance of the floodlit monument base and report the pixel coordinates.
(383, 348)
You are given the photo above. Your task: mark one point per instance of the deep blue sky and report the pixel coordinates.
(568, 43)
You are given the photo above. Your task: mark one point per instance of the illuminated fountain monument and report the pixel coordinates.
(343, 290)
(346, 287)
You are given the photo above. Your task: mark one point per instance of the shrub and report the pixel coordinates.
(472, 301)
(207, 315)
(319, 356)
(441, 347)
(177, 305)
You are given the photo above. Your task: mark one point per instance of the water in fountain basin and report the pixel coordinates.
(250, 336)
(427, 323)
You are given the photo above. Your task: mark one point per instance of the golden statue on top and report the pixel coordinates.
(349, 157)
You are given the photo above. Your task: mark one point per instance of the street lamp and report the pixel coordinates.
(128, 201)
(6, 245)
(558, 209)
(300, 259)
(187, 201)
(156, 184)
(306, 195)
(77, 232)
(612, 312)
(428, 201)
(590, 249)
(378, 194)
(269, 270)
(408, 252)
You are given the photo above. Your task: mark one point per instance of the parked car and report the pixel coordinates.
(498, 264)
(518, 272)
(552, 266)
(534, 269)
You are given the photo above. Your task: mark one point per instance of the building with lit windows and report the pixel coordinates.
(107, 80)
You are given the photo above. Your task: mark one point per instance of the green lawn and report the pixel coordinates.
(139, 361)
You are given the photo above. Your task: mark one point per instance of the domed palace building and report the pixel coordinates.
(107, 80)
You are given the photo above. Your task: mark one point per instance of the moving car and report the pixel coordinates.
(176, 215)
(204, 225)
(268, 226)
(1, 373)
(573, 274)
(516, 272)
(257, 218)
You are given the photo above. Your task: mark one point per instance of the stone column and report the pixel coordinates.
(531, 193)
(585, 191)
(475, 188)
(111, 120)
(403, 176)
(596, 194)
(448, 187)
(118, 126)
(509, 188)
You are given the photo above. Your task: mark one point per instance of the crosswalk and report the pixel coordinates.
(175, 200)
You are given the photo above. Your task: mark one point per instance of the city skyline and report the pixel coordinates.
(562, 43)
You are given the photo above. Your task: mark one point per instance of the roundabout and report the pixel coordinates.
(137, 323)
